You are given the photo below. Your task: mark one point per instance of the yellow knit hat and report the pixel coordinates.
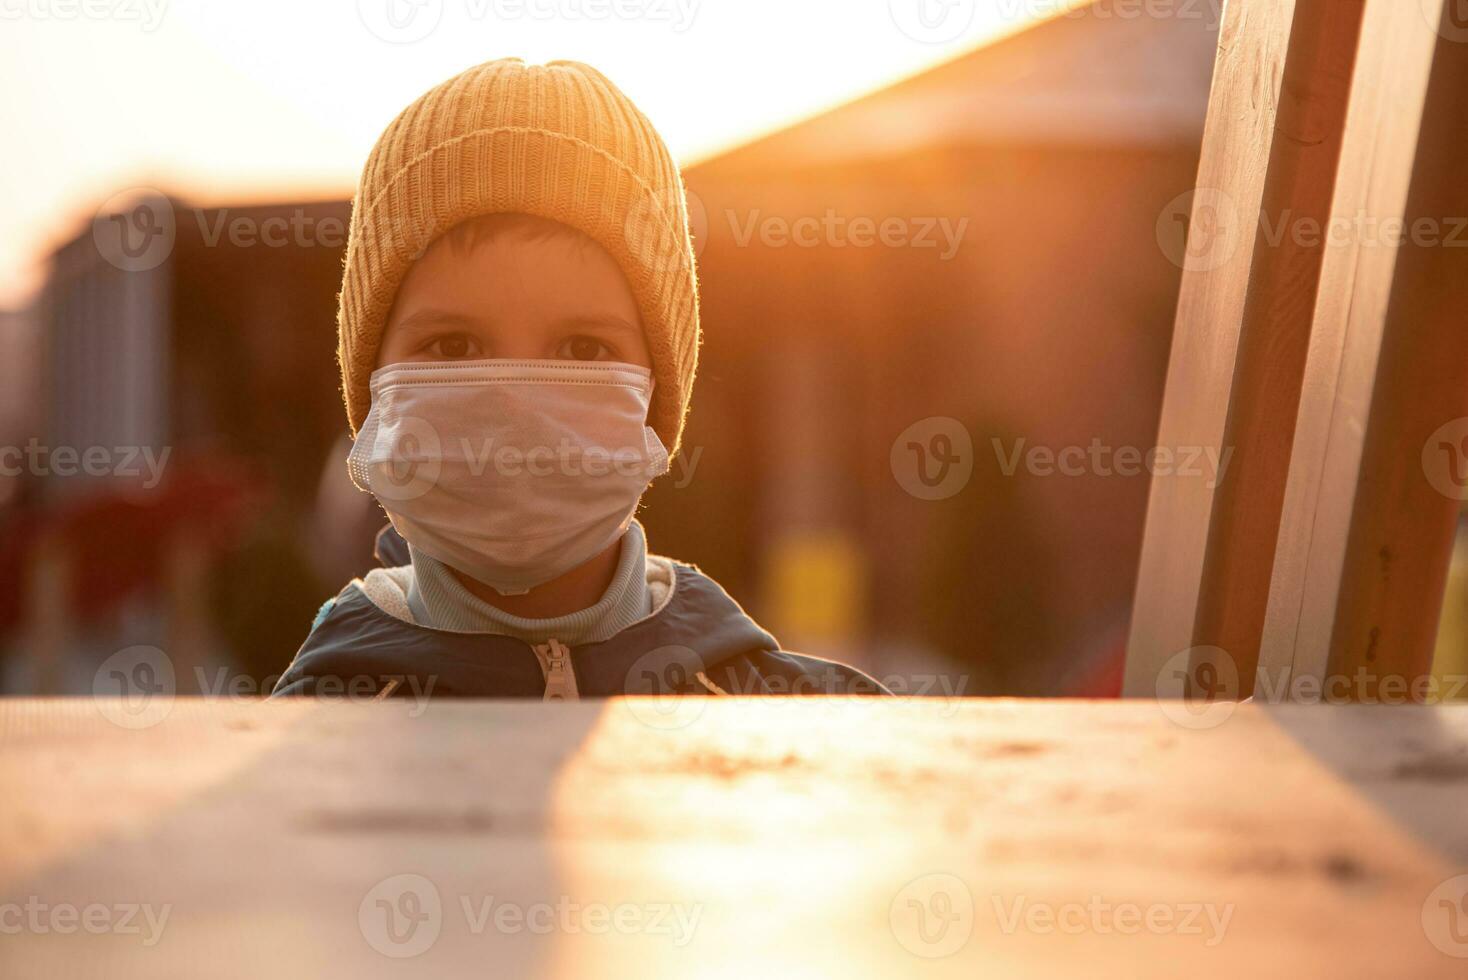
(559, 141)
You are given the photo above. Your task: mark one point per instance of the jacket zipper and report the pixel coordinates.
(560, 676)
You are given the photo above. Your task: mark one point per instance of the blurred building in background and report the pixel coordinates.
(182, 404)
(978, 243)
(1046, 324)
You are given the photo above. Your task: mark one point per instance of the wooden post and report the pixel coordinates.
(1275, 334)
(1382, 539)
(1238, 139)
(1315, 357)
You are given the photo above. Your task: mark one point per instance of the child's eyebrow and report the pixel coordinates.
(607, 321)
(436, 318)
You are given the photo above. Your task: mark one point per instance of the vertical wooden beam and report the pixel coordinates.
(1337, 407)
(1238, 138)
(1410, 485)
(1324, 356)
(1289, 249)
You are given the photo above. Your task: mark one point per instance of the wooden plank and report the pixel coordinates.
(1238, 140)
(1320, 362)
(1275, 334)
(1377, 162)
(1411, 484)
(832, 837)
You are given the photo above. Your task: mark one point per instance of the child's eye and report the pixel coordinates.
(584, 348)
(453, 347)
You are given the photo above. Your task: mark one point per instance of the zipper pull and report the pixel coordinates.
(560, 676)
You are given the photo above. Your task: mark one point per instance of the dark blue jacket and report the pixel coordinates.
(699, 642)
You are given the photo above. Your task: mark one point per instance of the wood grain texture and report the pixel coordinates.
(1378, 158)
(1409, 497)
(1238, 141)
(1283, 281)
(794, 836)
(1320, 355)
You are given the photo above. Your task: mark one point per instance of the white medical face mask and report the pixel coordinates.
(513, 472)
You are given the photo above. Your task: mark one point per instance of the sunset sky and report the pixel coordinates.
(235, 101)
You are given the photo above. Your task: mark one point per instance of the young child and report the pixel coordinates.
(518, 334)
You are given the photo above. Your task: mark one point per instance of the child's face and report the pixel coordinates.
(515, 297)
